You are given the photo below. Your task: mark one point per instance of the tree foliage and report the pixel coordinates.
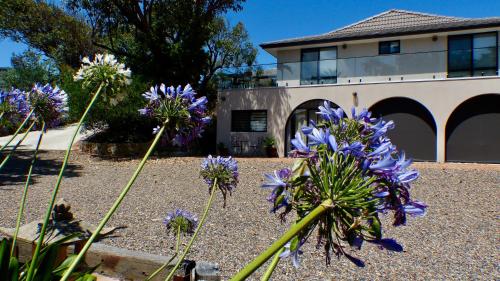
(228, 47)
(27, 68)
(163, 40)
(46, 27)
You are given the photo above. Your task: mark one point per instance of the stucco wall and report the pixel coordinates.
(440, 97)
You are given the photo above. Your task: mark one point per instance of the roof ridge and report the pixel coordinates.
(391, 11)
(358, 22)
(427, 14)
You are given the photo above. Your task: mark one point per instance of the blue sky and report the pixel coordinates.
(268, 20)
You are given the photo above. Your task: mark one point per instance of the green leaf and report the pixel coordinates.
(86, 277)
(4, 259)
(375, 228)
(14, 269)
(64, 265)
(44, 272)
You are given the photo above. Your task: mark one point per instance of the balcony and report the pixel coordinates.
(422, 66)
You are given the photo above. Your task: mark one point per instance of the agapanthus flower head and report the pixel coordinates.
(352, 163)
(18, 101)
(181, 220)
(107, 71)
(50, 104)
(178, 108)
(14, 109)
(221, 170)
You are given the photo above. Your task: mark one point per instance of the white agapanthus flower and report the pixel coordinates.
(105, 68)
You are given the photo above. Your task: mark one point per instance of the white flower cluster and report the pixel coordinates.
(104, 68)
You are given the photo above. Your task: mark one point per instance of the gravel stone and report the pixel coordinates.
(457, 240)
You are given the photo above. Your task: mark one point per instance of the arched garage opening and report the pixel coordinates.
(473, 130)
(301, 116)
(415, 128)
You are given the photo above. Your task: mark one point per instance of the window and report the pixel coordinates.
(249, 121)
(388, 47)
(472, 55)
(318, 66)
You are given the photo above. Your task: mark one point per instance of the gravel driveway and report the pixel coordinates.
(458, 239)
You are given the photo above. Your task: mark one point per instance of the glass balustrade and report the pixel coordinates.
(353, 70)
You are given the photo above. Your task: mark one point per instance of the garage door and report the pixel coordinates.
(415, 129)
(473, 131)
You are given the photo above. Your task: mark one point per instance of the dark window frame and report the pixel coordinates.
(249, 127)
(389, 42)
(471, 70)
(318, 61)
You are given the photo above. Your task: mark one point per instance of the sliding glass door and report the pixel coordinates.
(318, 66)
(473, 55)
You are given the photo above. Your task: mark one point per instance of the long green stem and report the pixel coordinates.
(1, 115)
(202, 221)
(171, 259)
(276, 246)
(272, 265)
(113, 208)
(11, 152)
(17, 131)
(31, 270)
(25, 191)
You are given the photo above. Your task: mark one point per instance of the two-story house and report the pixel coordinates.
(435, 76)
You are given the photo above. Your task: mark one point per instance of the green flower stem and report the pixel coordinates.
(203, 218)
(272, 265)
(11, 152)
(17, 131)
(1, 115)
(25, 191)
(171, 259)
(276, 246)
(113, 208)
(31, 270)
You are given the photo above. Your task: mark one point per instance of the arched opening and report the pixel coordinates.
(415, 128)
(302, 116)
(473, 130)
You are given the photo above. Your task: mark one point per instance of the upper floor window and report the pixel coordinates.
(249, 121)
(318, 66)
(473, 55)
(388, 47)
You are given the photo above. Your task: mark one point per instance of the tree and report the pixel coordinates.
(48, 28)
(164, 40)
(170, 41)
(228, 47)
(27, 68)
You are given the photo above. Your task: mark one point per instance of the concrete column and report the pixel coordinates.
(440, 143)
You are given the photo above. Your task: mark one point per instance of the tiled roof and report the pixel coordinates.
(390, 23)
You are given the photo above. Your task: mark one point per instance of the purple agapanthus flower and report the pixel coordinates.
(50, 104)
(181, 220)
(19, 101)
(278, 182)
(184, 114)
(220, 170)
(352, 162)
(329, 113)
(13, 109)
